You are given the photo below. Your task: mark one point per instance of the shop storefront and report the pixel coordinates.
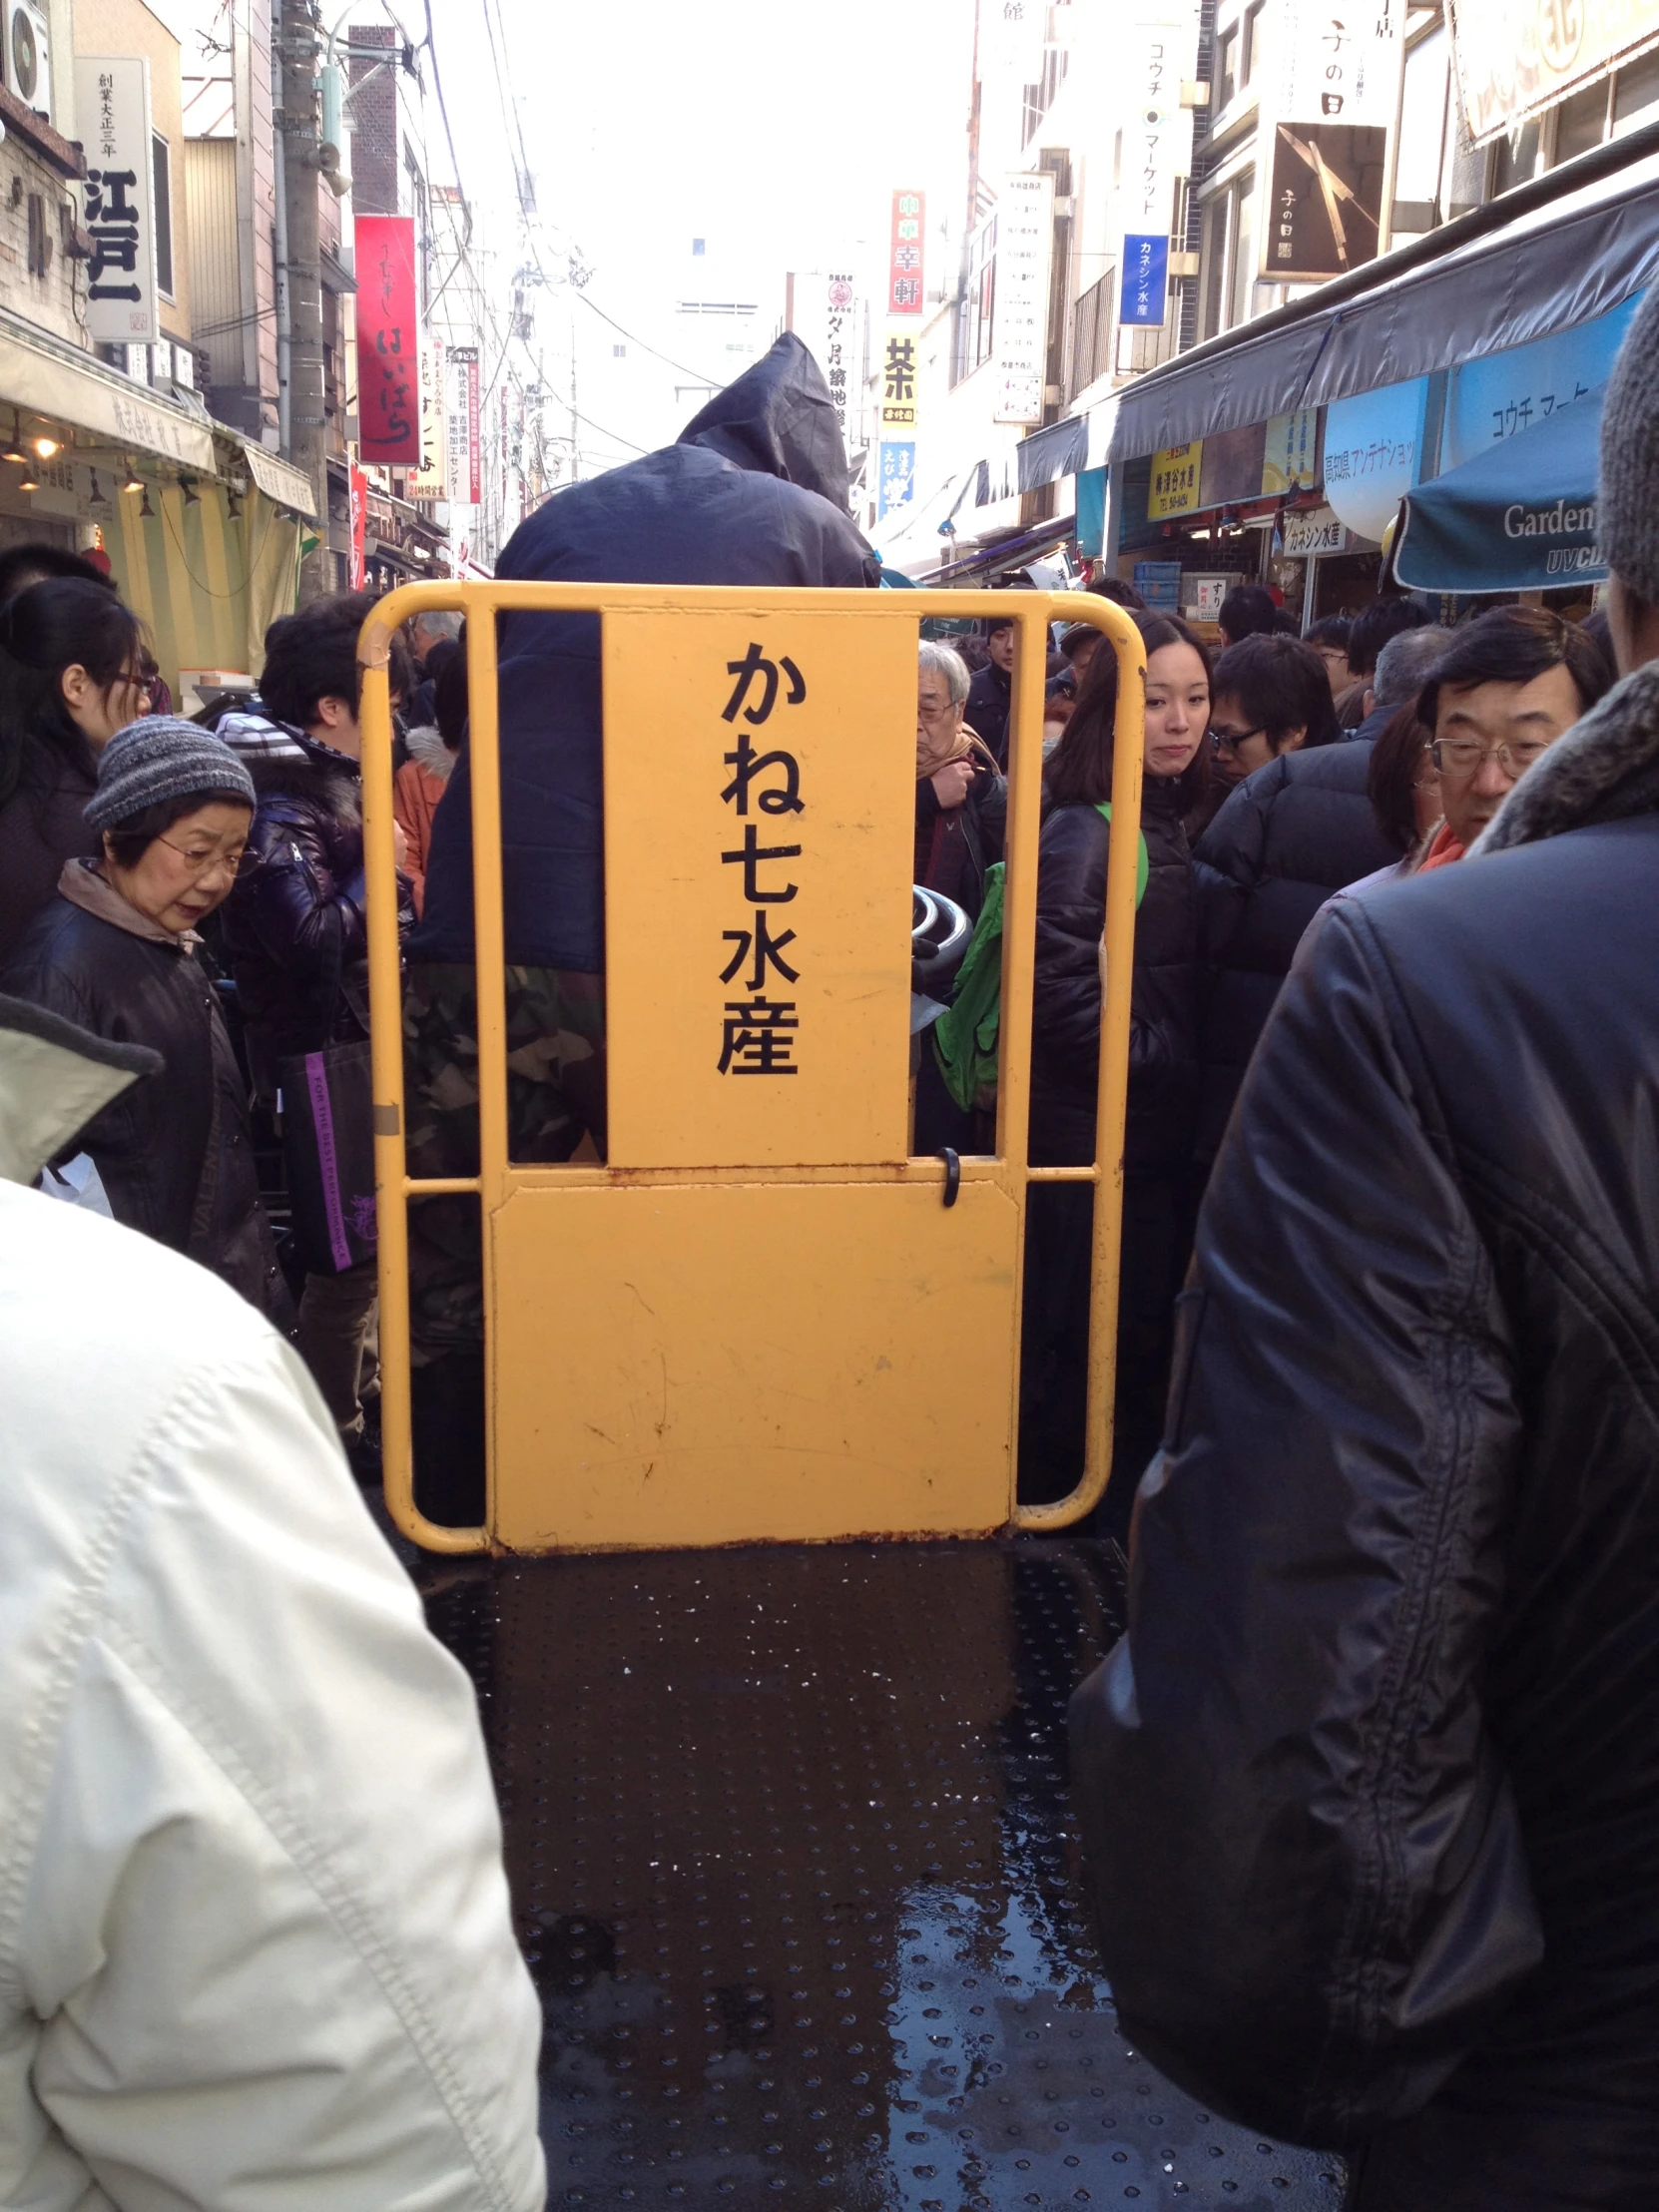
(1287, 453)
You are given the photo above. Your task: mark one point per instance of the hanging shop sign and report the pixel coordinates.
(1335, 99)
(1503, 395)
(388, 342)
(1011, 39)
(905, 273)
(112, 100)
(431, 479)
(839, 343)
(1320, 531)
(1156, 144)
(896, 481)
(899, 406)
(1175, 473)
(358, 490)
(1374, 454)
(1019, 338)
(466, 459)
(1291, 453)
(1513, 61)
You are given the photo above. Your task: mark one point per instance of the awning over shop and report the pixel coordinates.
(1058, 449)
(280, 480)
(40, 375)
(1012, 551)
(205, 587)
(1551, 269)
(1519, 517)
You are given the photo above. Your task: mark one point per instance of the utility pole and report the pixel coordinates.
(301, 148)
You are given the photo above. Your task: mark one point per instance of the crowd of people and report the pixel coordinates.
(1371, 1784)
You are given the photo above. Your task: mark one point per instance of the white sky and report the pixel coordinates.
(774, 129)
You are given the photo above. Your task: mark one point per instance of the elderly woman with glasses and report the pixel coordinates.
(116, 953)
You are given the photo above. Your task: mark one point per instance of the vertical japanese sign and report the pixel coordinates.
(388, 342)
(1290, 452)
(112, 100)
(756, 990)
(905, 273)
(432, 479)
(841, 336)
(1024, 243)
(358, 491)
(1154, 142)
(1335, 98)
(896, 459)
(461, 424)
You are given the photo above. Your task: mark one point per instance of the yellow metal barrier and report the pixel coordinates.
(757, 1320)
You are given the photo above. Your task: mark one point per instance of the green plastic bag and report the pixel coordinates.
(965, 1034)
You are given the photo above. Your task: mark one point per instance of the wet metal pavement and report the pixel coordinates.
(795, 1869)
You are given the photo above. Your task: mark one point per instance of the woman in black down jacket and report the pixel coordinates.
(1163, 1068)
(296, 930)
(116, 951)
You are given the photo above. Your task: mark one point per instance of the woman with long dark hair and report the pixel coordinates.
(1065, 1055)
(71, 674)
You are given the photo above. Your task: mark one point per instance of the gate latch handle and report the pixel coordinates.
(953, 1175)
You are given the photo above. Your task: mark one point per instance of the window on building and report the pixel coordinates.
(1250, 45)
(1229, 265)
(976, 312)
(1582, 122)
(1091, 334)
(161, 188)
(1635, 92)
(1227, 66)
(697, 247)
(619, 352)
(1515, 158)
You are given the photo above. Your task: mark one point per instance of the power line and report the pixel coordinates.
(684, 368)
(443, 110)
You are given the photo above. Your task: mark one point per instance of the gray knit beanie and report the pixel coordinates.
(163, 757)
(1629, 513)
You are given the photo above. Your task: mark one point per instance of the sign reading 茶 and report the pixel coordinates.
(388, 341)
(757, 989)
(112, 100)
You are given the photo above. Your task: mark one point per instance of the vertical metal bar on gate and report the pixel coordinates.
(1111, 1101)
(497, 1177)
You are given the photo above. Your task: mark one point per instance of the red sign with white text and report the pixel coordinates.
(388, 342)
(904, 271)
(357, 487)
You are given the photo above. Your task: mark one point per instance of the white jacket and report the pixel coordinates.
(254, 1943)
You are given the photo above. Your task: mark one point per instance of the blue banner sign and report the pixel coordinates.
(897, 480)
(1145, 297)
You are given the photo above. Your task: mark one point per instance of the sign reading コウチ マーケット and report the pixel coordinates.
(759, 780)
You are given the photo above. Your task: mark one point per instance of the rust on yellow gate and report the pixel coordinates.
(756, 1320)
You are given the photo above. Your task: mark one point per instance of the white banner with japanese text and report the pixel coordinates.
(1025, 247)
(111, 102)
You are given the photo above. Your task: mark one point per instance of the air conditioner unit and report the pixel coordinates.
(28, 62)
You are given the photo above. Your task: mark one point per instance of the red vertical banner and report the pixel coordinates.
(357, 484)
(388, 341)
(904, 273)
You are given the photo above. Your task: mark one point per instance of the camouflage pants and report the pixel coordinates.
(555, 1097)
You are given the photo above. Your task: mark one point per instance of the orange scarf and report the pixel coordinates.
(1444, 849)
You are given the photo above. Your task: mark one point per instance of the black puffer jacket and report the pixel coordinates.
(302, 917)
(989, 704)
(1287, 837)
(1371, 1784)
(1163, 1034)
(174, 1151)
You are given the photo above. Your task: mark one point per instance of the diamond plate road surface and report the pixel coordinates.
(795, 1873)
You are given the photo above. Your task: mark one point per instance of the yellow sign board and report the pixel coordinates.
(758, 973)
(900, 384)
(1290, 452)
(1173, 489)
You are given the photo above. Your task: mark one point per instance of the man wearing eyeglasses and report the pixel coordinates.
(1372, 1781)
(1507, 686)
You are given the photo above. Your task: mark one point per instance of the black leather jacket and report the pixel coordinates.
(304, 908)
(1162, 1020)
(1371, 1784)
(173, 1163)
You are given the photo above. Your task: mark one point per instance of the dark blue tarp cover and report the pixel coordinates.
(753, 492)
(1521, 517)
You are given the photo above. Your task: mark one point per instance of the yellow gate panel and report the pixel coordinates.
(761, 764)
(705, 1363)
